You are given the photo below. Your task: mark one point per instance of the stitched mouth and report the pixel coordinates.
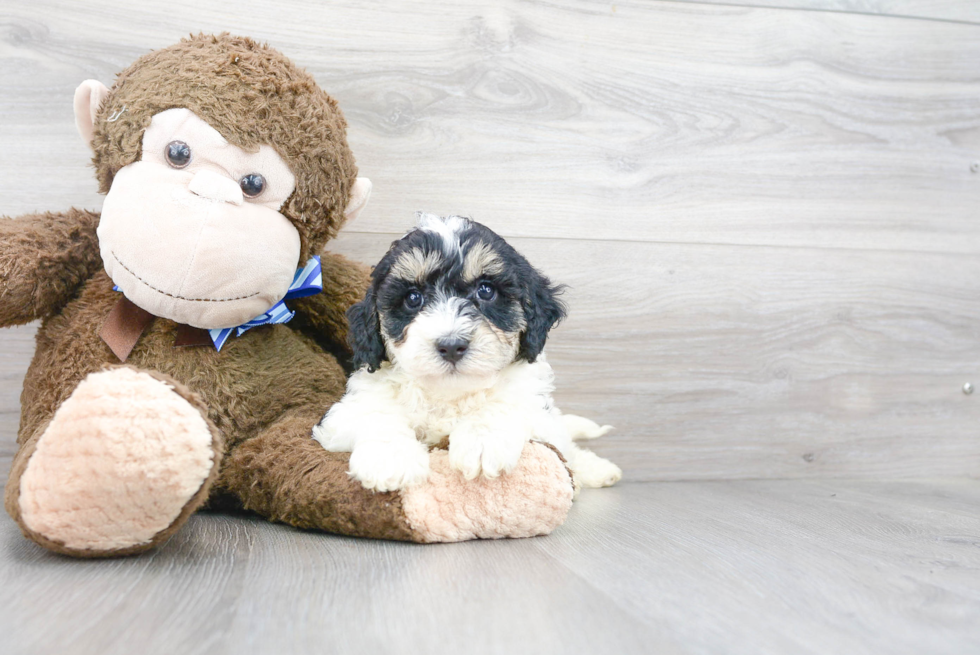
(173, 295)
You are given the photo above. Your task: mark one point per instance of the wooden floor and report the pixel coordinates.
(749, 567)
(766, 211)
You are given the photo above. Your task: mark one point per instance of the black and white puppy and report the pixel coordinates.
(448, 343)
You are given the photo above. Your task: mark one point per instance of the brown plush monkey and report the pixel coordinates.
(225, 169)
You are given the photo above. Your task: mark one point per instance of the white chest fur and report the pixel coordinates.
(387, 420)
(396, 402)
(433, 412)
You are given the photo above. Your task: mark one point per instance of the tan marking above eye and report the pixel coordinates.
(415, 265)
(481, 260)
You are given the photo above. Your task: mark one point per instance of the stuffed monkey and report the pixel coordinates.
(167, 372)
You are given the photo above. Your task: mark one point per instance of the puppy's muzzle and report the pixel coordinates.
(452, 350)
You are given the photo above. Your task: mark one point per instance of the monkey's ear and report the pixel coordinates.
(364, 334)
(88, 96)
(359, 194)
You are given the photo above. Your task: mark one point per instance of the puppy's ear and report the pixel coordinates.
(543, 310)
(364, 334)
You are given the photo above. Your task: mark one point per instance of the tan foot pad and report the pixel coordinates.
(118, 463)
(531, 500)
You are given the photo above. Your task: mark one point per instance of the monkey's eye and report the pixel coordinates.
(252, 185)
(414, 299)
(178, 154)
(486, 292)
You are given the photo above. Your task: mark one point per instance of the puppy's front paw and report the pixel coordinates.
(474, 449)
(389, 466)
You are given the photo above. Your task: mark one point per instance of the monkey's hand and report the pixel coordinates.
(323, 316)
(44, 258)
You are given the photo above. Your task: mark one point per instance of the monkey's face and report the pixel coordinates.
(192, 231)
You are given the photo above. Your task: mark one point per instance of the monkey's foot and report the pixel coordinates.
(123, 463)
(531, 500)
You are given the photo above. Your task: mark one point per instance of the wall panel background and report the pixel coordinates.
(767, 215)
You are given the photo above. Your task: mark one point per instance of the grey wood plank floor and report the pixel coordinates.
(676, 567)
(766, 216)
(794, 185)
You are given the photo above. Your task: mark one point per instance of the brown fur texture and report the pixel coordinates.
(253, 381)
(324, 317)
(266, 389)
(44, 260)
(282, 474)
(252, 95)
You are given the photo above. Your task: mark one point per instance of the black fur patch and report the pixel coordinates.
(524, 297)
(364, 335)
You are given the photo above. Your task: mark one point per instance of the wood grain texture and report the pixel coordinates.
(788, 567)
(768, 221)
(963, 11)
(662, 121)
(767, 216)
(711, 567)
(735, 362)
(749, 362)
(16, 350)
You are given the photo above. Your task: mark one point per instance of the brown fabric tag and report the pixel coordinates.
(192, 336)
(124, 326)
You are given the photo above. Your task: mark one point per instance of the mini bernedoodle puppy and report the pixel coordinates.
(448, 343)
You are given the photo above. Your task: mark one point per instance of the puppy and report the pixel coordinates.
(448, 343)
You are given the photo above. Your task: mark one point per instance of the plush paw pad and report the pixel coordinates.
(532, 500)
(122, 457)
(389, 465)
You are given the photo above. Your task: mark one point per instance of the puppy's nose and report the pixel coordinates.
(452, 350)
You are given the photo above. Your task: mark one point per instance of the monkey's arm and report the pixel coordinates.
(323, 316)
(44, 258)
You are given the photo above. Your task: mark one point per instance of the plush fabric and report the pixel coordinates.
(44, 259)
(118, 463)
(531, 500)
(253, 95)
(146, 444)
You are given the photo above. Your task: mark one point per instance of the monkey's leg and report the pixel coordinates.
(286, 476)
(118, 468)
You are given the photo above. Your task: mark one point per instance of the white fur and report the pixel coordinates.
(489, 403)
(448, 228)
(387, 416)
(489, 350)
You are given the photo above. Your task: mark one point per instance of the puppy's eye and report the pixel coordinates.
(178, 154)
(486, 292)
(414, 299)
(252, 185)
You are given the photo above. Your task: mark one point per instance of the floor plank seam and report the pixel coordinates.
(966, 254)
(819, 10)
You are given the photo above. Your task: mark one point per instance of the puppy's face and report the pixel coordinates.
(453, 303)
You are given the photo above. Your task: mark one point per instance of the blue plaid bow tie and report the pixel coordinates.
(308, 281)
